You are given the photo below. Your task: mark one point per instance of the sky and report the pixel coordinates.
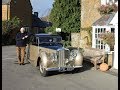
(42, 6)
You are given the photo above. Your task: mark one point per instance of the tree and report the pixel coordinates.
(65, 15)
(9, 30)
(11, 24)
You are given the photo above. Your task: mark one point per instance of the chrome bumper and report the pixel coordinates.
(62, 69)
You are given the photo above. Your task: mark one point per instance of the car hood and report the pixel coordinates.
(53, 47)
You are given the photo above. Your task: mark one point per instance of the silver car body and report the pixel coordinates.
(48, 50)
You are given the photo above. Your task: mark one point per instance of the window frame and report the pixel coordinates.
(98, 42)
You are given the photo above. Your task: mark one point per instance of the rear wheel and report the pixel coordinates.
(43, 71)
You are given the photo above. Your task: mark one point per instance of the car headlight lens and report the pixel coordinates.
(53, 57)
(73, 54)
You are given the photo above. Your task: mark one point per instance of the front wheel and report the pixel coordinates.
(43, 71)
(76, 70)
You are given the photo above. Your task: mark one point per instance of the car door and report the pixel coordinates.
(33, 49)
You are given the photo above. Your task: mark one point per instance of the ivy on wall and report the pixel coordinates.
(89, 38)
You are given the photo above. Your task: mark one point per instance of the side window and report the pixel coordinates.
(36, 41)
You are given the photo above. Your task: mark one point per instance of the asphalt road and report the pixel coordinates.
(27, 77)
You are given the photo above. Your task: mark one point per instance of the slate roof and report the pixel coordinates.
(37, 22)
(5, 1)
(104, 20)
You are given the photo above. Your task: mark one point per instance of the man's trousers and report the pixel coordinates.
(20, 54)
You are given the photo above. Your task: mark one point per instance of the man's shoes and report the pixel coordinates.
(19, 62)
(22, 63)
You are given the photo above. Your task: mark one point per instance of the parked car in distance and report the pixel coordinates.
(48, 53)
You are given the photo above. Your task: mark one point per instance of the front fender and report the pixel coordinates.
(78, 59)
(44, 58)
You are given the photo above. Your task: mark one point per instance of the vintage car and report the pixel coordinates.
(48, 53)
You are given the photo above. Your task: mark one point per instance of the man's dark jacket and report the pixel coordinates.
(19, 41)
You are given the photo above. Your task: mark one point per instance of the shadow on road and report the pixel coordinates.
(86, 66)
(16, 62)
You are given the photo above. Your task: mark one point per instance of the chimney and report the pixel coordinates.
(36, 14)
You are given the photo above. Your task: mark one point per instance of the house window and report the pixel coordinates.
(99, 43)
(112, 30)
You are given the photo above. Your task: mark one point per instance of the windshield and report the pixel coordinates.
(50, 39)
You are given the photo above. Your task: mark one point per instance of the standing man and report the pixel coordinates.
(21, 41)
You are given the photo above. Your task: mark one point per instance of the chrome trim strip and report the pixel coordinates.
(52, 69)
(61, 58)
(78, 66)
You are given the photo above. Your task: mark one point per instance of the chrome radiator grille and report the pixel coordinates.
(61, 58)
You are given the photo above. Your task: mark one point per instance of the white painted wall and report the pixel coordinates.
(93, 37)
(115, 63)
(104, 2)
(114, 21)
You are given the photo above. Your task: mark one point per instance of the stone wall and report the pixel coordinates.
(75, 38)
(85, 39)
(5, 9)
(89, 12)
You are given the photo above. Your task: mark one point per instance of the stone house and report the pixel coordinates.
(20, 8)
(89, 14)
(91, 21)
